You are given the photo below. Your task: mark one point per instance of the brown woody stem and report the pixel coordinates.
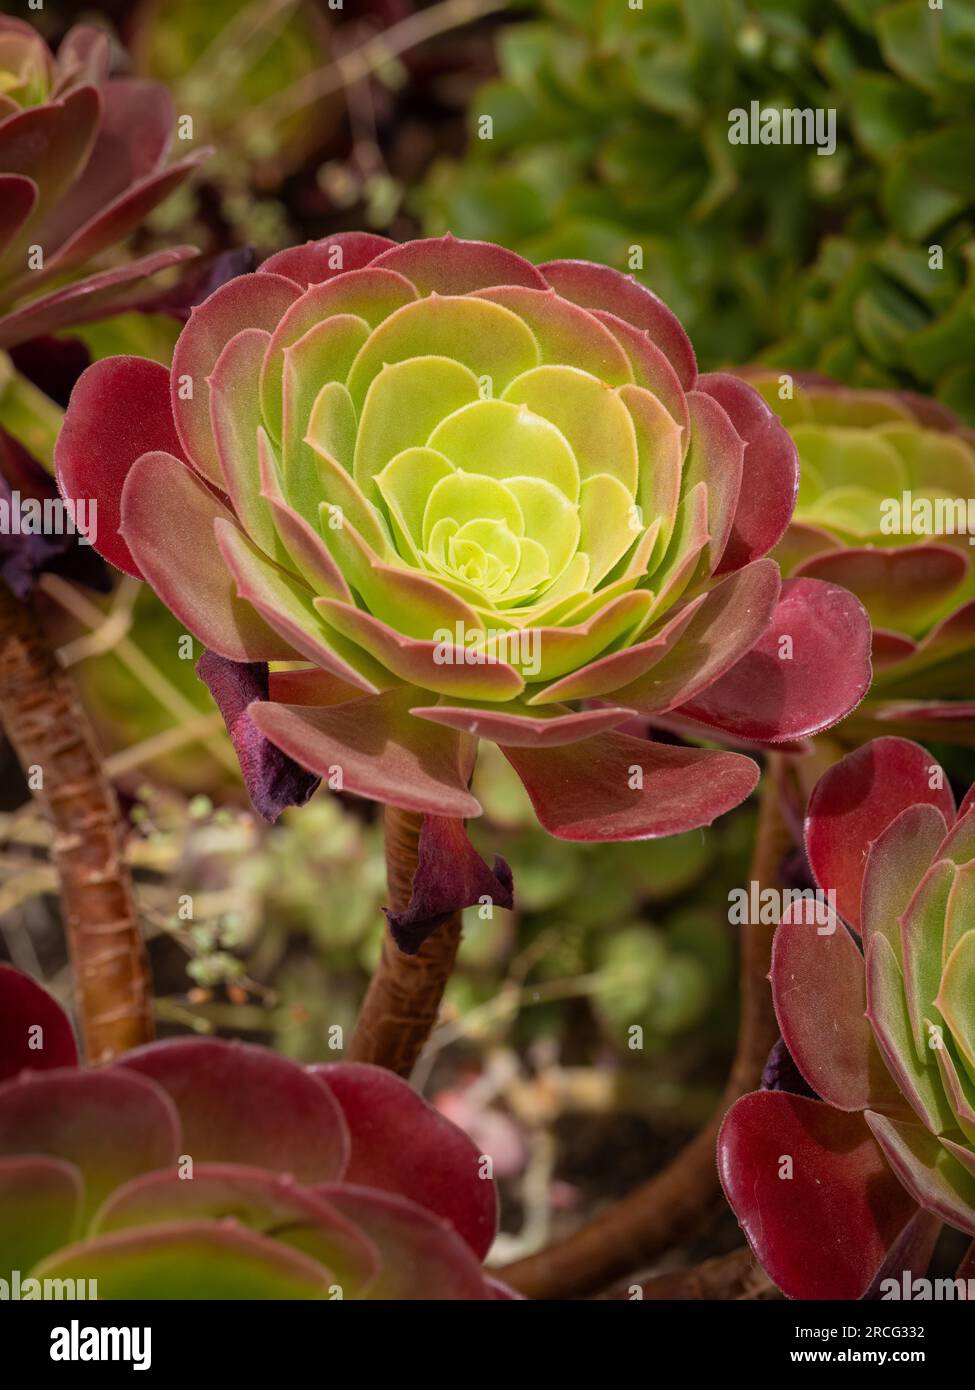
(635, 1230)
(403, 999)
(50, 732)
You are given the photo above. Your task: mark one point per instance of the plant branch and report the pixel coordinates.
(50, 732)
(632, 1232)
(360, 62)
(404, 995)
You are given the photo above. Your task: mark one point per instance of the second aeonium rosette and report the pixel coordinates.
(459, 496)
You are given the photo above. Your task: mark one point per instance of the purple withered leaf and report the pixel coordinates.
(273, 780)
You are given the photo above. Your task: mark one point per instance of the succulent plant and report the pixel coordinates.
(465, 497)
(609, 135)
(838, 1190)
(886, 508)
(83, 158)
(201, 1169)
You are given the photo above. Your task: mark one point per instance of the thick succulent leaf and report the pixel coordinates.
(422, 1255)
(18, 197)
(111, 1126)
(450, 875)
(35, 1032)
(825, 1230)
(168, 517)
(239, 1103)
(99, 296)
(119, 410)
(593, 419)
(40, 1208)
(599, 287)
(403, 406)
(651, 368)
(943, 666)
(302, 541)
(660, 448)
(715, 457)
(286, 605)
(731, 619)
(897, 860)
(548, 727)
(910, 1255)
(914, 1069)
(490, 340)
(854, 802)
(197, 1260)
(770, 471)
(960, 908)
(902, 588)
(379, 750)
(134, 135)
(320, 260)
(268, 1203)
(309, 685)
(562, 650)
(235, 418)
(922, 936)
(566, 334)
(273, 780)
(442, 666)
(620, 669)
(50, 144)
(819, 989)
(808, 670)
(614, 787)
(249, 301)
(115, 221)
(959, 1086)
(956, 995)
(929, 1172)
(402, 1144)
(444, 265)
(369, 295)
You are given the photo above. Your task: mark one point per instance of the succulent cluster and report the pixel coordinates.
(609, 131)
(847, 1183)
(463, 497)
(886, 507)
(205, 1169)
(83, 158)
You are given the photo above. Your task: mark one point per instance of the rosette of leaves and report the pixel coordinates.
(464, 498)
(201, 1169)
(877, 1014)
(886, 500)
(610, 132)
(83, 158)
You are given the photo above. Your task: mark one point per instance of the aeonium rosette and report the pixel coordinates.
(84, 157)
(197, 1168)
(845, 1184)
(463, 497)
(886, 508)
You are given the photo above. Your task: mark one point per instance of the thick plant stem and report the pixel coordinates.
(50, 732)
(404, 995)
(632, 1232)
